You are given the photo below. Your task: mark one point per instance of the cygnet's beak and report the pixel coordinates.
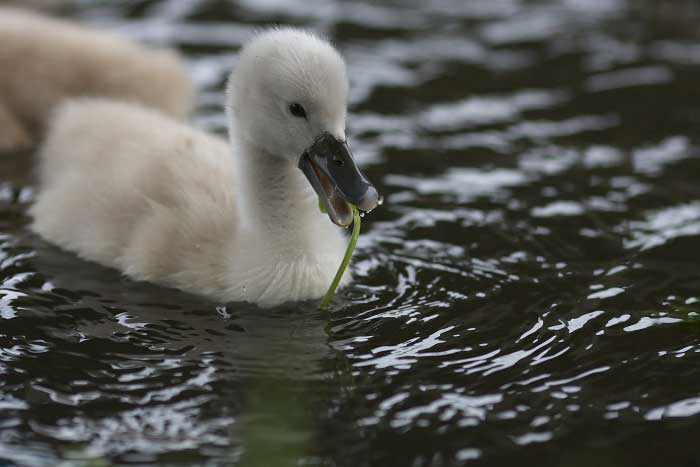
(331, 170)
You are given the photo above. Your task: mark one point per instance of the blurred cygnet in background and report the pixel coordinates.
(44, 61)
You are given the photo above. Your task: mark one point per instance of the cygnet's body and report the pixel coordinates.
(44, 61)
(132, 189)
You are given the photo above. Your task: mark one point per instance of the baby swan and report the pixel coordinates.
(44, 61)
(135, 190)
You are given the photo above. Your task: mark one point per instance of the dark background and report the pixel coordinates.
(528, 294)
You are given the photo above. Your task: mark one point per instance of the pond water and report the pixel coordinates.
(529, 294)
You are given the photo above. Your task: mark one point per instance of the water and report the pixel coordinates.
(528, 294)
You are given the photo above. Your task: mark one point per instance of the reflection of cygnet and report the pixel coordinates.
(45, 60)
(132, 189)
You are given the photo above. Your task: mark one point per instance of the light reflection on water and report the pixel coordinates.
(528, 293)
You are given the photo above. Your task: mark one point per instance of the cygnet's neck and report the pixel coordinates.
(276, 199)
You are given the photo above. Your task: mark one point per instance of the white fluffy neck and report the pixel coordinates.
(276, 199)
(287, 249)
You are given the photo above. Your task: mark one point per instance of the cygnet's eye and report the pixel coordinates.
(297, 110)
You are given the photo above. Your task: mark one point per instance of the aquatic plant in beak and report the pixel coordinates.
(342, 192)
(346, 259)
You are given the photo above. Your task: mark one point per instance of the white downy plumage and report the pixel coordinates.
(132, 189)
(44, 61)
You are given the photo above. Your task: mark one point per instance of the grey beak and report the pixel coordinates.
(330, 168)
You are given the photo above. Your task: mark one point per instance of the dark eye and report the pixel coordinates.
(297, 110)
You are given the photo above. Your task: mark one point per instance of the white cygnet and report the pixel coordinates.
(45, 60)
(132, 189)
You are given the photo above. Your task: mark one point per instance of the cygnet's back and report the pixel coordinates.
(44, 61)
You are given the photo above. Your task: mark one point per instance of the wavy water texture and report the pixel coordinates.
(528, 294)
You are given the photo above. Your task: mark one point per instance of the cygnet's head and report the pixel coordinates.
(288, 97)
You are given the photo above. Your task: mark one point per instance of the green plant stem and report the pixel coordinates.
(346, 259)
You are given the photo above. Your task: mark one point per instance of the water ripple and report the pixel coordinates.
(528, 293)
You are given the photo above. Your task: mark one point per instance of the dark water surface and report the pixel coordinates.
(529, 294)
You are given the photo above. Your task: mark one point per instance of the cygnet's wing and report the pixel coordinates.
(132, 189)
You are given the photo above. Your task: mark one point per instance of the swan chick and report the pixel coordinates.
(46, 60)
(237, 220)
